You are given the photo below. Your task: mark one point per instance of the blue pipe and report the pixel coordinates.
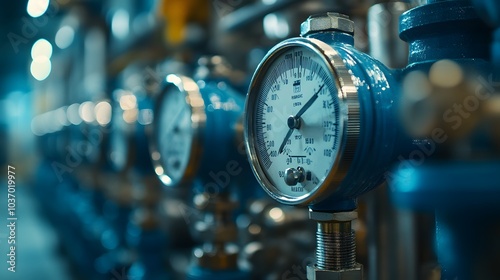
(378, 90)
(464, 194)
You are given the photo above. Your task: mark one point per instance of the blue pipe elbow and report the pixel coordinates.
(381, 139)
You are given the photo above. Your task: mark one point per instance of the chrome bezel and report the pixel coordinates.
(349, 117)
(188, 87)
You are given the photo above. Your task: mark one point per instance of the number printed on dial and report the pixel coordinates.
(296, 121)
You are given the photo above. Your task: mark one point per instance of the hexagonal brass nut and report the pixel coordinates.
(325, 22)
(338, 216)
(314, 273)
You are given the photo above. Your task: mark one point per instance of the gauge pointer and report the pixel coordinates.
(290, 131)
(309, 103)
(294, 121)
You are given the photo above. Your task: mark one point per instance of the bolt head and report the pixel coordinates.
(355, 273)
(327, 22)
(337, 216)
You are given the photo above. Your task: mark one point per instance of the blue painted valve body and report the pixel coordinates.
(464, 194)
(223, 166)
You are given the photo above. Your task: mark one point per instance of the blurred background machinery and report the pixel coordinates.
(240, 139)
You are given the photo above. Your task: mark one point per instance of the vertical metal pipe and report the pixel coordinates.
(383, 34)
(392, 252)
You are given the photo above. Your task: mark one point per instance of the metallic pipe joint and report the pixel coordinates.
(335, 247)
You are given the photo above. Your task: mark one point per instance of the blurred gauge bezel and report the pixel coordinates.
(193, 98)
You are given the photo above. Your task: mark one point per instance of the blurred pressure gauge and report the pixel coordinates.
(302, 120)
(175, 147)
(196, 133)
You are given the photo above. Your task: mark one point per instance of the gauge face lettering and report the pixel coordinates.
(296, 121)
(175, 134)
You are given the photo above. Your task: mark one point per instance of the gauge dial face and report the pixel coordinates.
(295, 123)
(175, 134)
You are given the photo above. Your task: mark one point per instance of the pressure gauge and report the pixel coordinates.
(180, 117)
(302, 121)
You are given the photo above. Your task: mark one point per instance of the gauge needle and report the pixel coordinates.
(290, 131)
(294, 121)
(309, 103)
